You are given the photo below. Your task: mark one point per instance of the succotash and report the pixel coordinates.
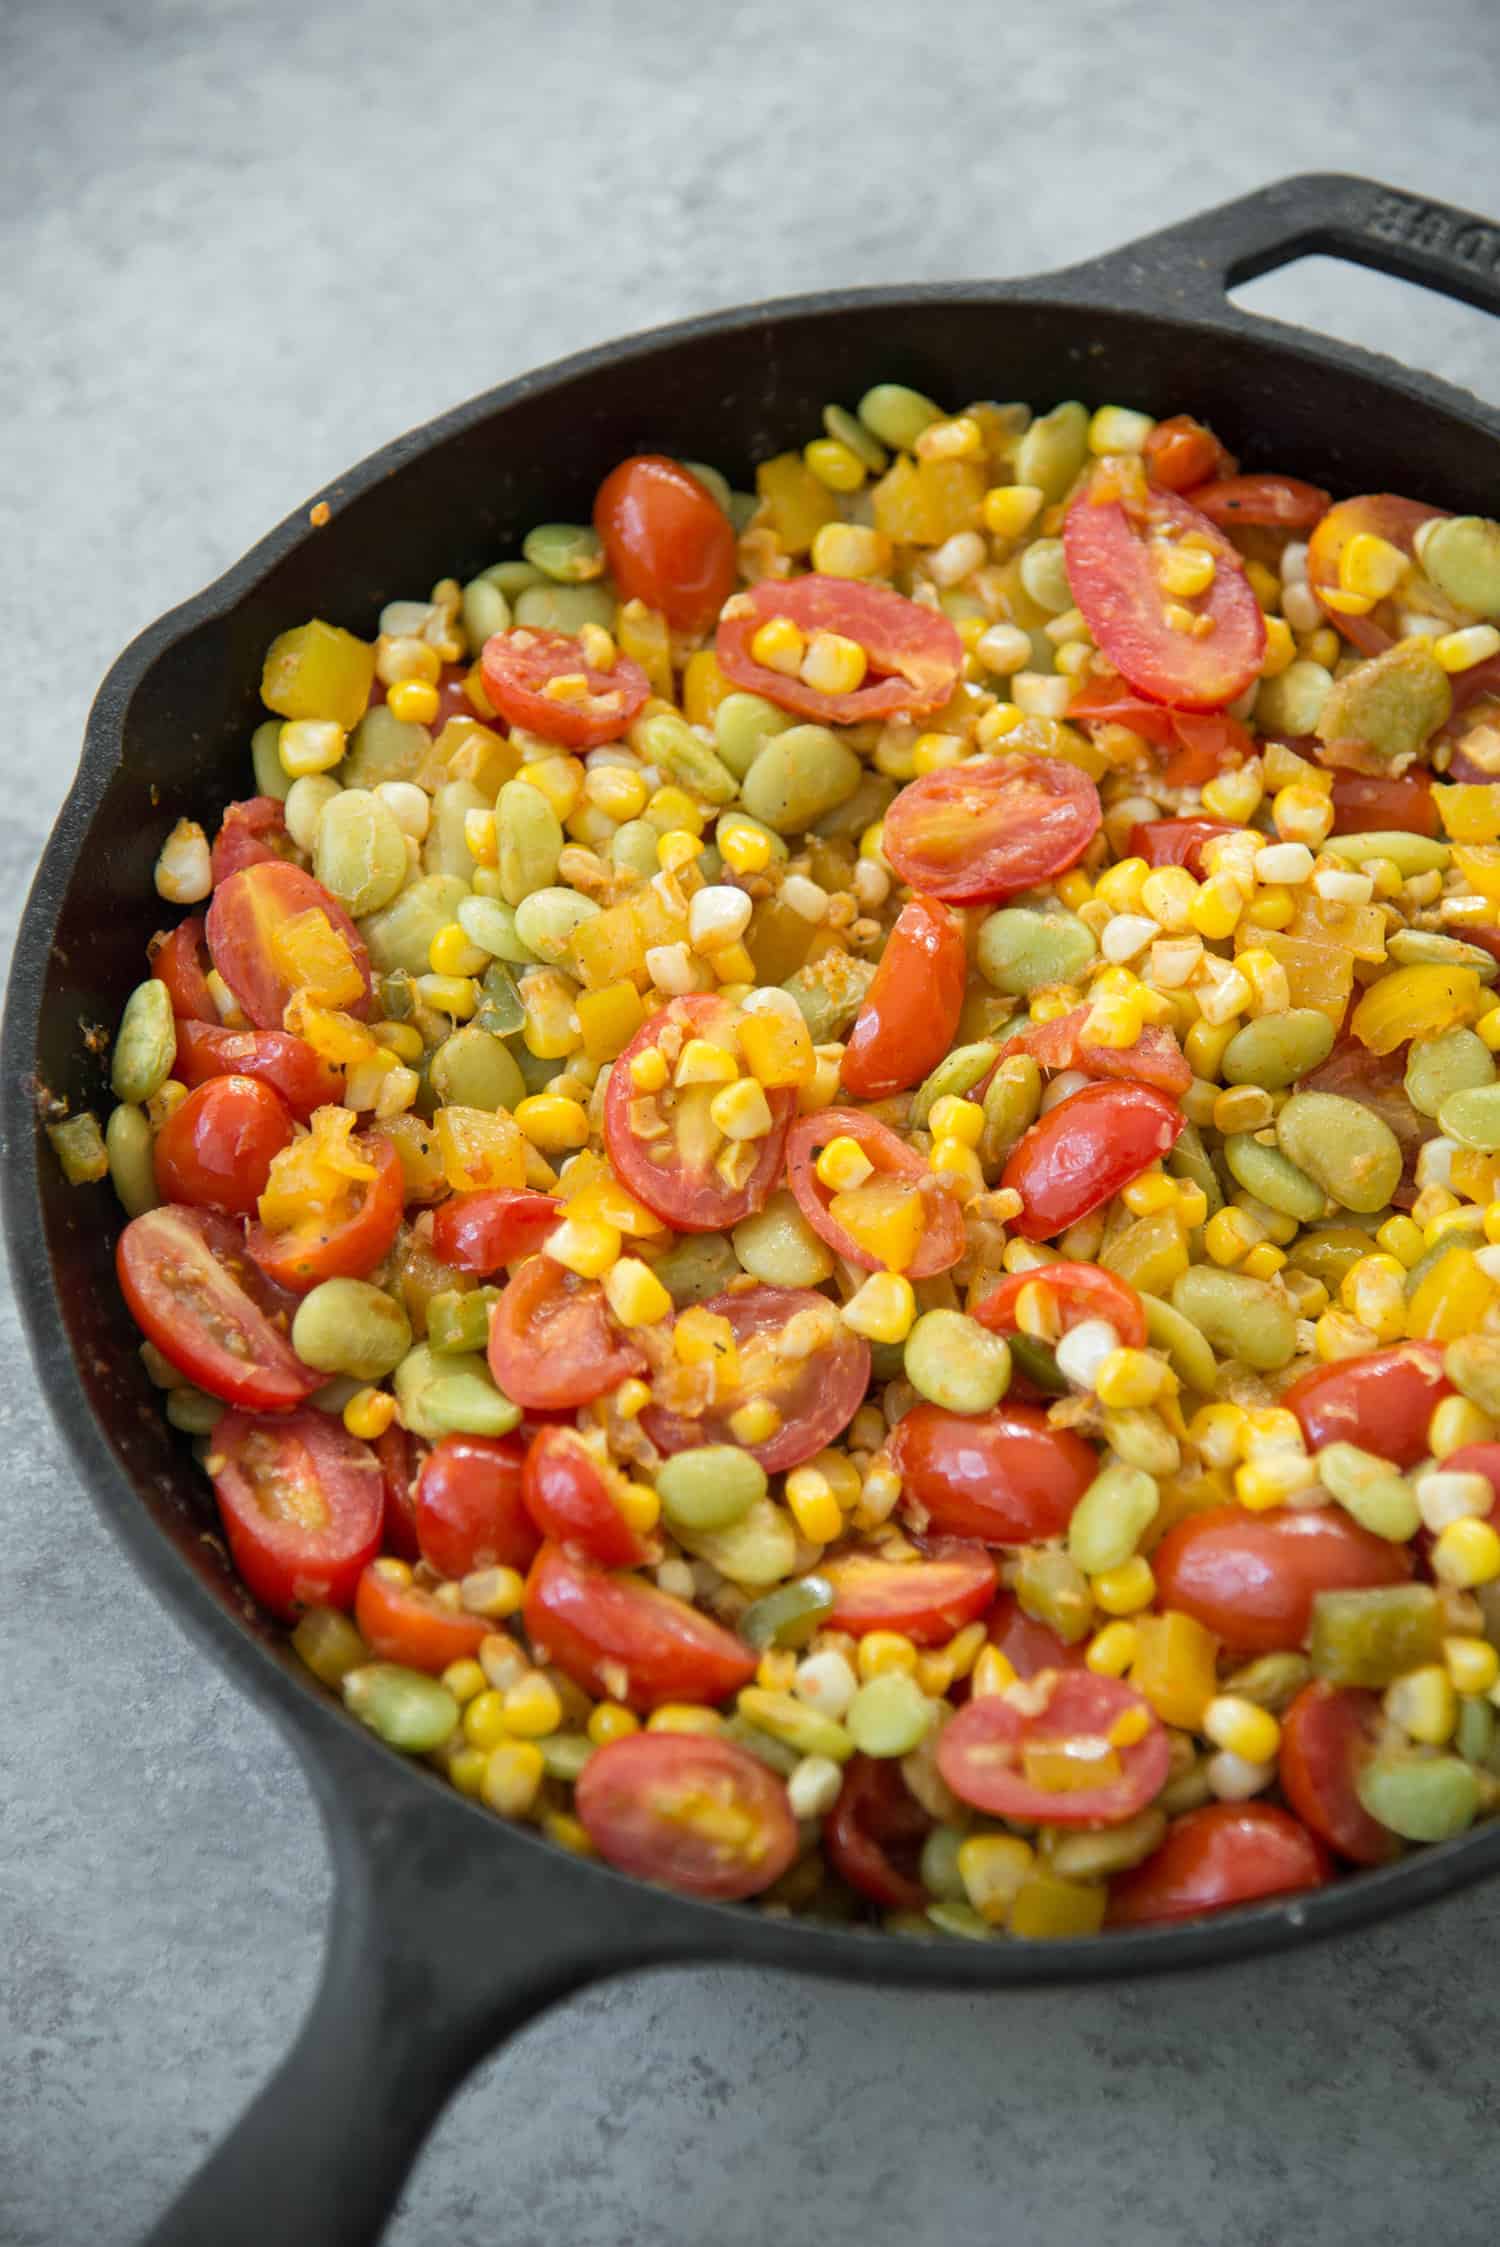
(818, 1171)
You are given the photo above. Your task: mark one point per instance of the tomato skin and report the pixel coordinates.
(354, 1247)
(910, 1013)
(468, 1506)
(1003, 1477)
(591, 1624)
(691, 1201)
(250, 833)
(1181, 452)
(516, 667)
(568, 1499)
(980, 832)
(1081, 1291)
(1176, 842)
(874, 1833)
(1155, 1059)
(1202, 742)
(667, 541)
(398, 1453)
(403, 1623)
(552, 1345)
(1385, 515)
(1115, 585)
(1252, 1578)
(626, 1799)
(1325, 1736)
(1382, 1402)
(1281, 503)
(288, 1064)
(191, 1290)
(216, 1148)
(817, 1396)
(1084, 1150)
(1364, 804)
(927, 1599)
(176, 958)
(484, 1232)
(1030, 1646)
(290, 1564)
(915, 654)
(942, 1241)
(1224, 1854)
(244, 911)
(1079, 1705)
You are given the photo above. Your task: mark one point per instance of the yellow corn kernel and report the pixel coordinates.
(1073, 889)
(631, 1398)
(547, 998)
(648, 1070)
(1112, 1650)
(1234, 795)
(1174, 1667)
(684, 1716)
(457, 995)
(1129, 1728)
(1050, 1909)
(952, 1118)
(735, 969)
(1400, 1238)
(1242, 1727)
(568, 1832)
(1456, 1422)
(513, 1776)
(778, 1051)
(610, 1720)
(741, 1111)
(1450, 1300)
(1051, 1006)
(834, 464)
(1472, 1663)
(676, 849)
(776, 1671)
(600, 1194)
(833, 664)
(1115, 1023)
(779, 646)
(1338, 1335)
(700, 1062)
(994, 1868)
(413, 699)
(993, 1672)
(1281, 650)
(1185, 571)
(464, 1680)
(1129, 1378)
(309, 745)
(1219, 1433)
(702, 1337)
(704, 687)
(951, 1158)
(583, 1245)
(479, 1150)
(1009, 510)
(1149, 1194)
(1466, 1554)
(1119, 886)
(609, 1019)
(1371, 566)
(1168, 894)
(965, 1647)
(884, 1309)
(1264, 1261)
(745, 850)
(552, 1123)
(635, 1294)
(559, 779)
(484, 1719)
(1192, 1205)
(1373, 1290)
(617, 790)
(814, 1507)
(1204, 1046)
(850, 550)
(881, 1651)
(755, 1421)
(532, 1707)
(1125, 1590)
(1230, 1235)
(673, 807)
(1270, 990)
(1424, 1704)
(369, 1413)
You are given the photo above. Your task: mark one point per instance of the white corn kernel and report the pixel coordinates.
(1004, 649)
(409, 805)
(718, 915)
(1083, 1349)
(1294, 562)
(1445, 1498)
(670, 969)
(813, 1788)
(953, 561)
(1289, 863)
(1343, 888)
(808, 900)
(826, 1682)
(1301, 608)
(184, 870)
(1126, 935)
(1038, 696)
(1234, 1780)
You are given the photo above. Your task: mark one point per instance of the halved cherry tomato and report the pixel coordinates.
(1084, 1150)
(1364, 804)
(568, 1497)
(1080, 1291)
(1382, 1402)
(345, 1242)
(216, 1147)
(177, 956)
(1176, 842)
(469, 1506)
(696, 1814)
(990, 1753)
(301, 1502)
(250, 833)
(990, 828)
(941, 1243)
(1004, 1477)
(1397, 521)
(484, 1232)
(1202, 742)
(874, 1833)
(192, 1290)
(289, 1065)
(674, 1172)
(552, 1343)
(398, 1453)
(1181, 452)
(1326, 1735)
(1252, 1578)
(910, 1012)
(913, 653)
(518, 668)
(403, 1622)
(927, 1599)
(619, 1636)
(1280, 503)
(816, 1395)
(247, 911)
(1109, 547)
(1030, 1646)
(1154, 1059)
(666, 539)
(1224, 1854)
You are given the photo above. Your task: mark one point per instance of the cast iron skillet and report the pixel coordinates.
(450, 1930)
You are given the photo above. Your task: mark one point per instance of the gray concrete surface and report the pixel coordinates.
(242, 246)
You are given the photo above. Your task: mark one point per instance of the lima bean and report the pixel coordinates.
(405, 1708)
(798, 776)
(956, 1074)
(830, 992)
(473, 1069)
(361, 852)
(1273, 1179)
(530, 841)
(1461, 555)
(1111, 1518)
(1054, 449)
(132, 1167)
(1021, 951)
(1010, 1105)
(1423, 947)
(568, 553)
(486, 611)
(1190, 1357)
(896, 415)
(1453, 1061)
(1472, 1116)
(565, 608)
(446, 848)
(757, 1550)
(145, 1044)
(1238, 1316)
(709, 1487)
(778, 1247)
(743, 724)
(547, 919)
(400, 937)
(696, 1266)
(1421, 1798)
(385, 747)
(348, 1326)
(451, 1393)
(953, 1361)
(271, 778)
(1344, 1146)
(667, 740)
(1409, 854)
(492, 926)
(1275, 1050)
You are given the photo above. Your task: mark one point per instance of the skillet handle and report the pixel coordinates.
(1329, 214)
(446, 1937)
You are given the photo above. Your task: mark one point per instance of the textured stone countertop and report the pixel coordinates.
(242, 246)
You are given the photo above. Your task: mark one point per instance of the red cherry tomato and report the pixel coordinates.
(484, 1232)
(927, 1599)
(1030, 1646)
(1364, 804)
(301, 1502)
(1080, 1291)
(289, 1065)
(569, 1498)
(1397, 521)
(552, 1344)
(469, 1506)
(1109, 548)
(1252, 1578)
(666, 539)
(215, 1149)
(910, 1012)
(1326, 1735)
(1155, 1059)
(619, 1636)
(192, 1290)
(999, 1756)
(402, 1622)
(177, 958)
(914, 655)
(1181, 452)
(247, 911)
(1004, 1477)
(1382, 1402)
(942, 1240)
(1224, 1854)
(816, 1395)
(1278, 503)
(990, 828)
(1084, 1150)
(343, 1245)
(249, 834)
(1176, 842)
(518, 668)
(874, 1833)
(696, 1814)
(1202, 742)
(674, 1173)
(399, 1458)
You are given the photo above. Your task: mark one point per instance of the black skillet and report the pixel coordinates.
(450, 1930)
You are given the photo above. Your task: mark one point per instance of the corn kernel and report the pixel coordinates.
(308, 745)
(676, 849)
(583, 1245)
(412, 700)
(1264, 1261)
(850, 550)
(1129, 1728)
(1130, 1378)
(814, 1508)
(833, 664)
(649, 1070)
(1150, 1194)
(777, 1050)
(745, 850)
(1424, 1704)
(882, 1651)
(1472, 1664)
(464, 1680)
(369, 1413)
(482, 837)
(610, 1720)
(1456, 1422)
(1229, 1235)
(1242, 1727)
(701, 1062)
(993, 1672)
(1466, 1554)
(843, 1164)
(1114, 1022)
(834, 464)
(741, 1111)
(532, 1708)
(952, 1158)
(1125, 1590)
(684, 1716)
(635, 1294)
(779, 646)
(952, 1118)
(884, 1309)
(1371, 566)
(552, 1123)
(755, 1421)
(994, 1868)
(1112, 1650)
(484, 1719)
(1009, 510)
(1281, 650)
(513, 1776)
(1185, 571)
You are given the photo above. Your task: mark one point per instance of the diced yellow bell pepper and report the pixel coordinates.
(1150, 1254)
(318, 670)
(341, 1041)
(312, 955)
(471, 751)
(1047, 1907)
(799, 504)
(778, 1051)
(1413, 1000)
(607, 1200)
(1479, 864)
(1318, 975)
(1174, 1667)
(608, 949)
(1451, 1299)
(311, 1180)
(885, 1216)
(704, 687)
(479, 1150)
(953, 493)
(1469, 811)
(609, 1018)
